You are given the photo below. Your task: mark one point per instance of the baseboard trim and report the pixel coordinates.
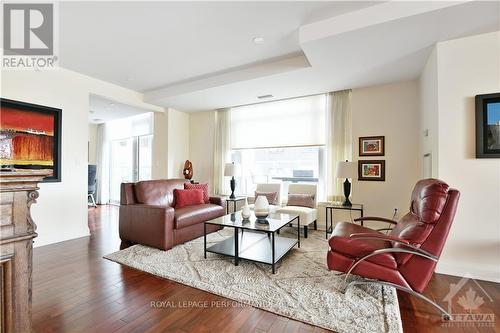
(475, 271)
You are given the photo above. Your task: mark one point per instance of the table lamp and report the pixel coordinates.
(346, 170)
(232, 170)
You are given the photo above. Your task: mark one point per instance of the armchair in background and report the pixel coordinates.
(92, 181)
(302, 200)
(269, 190)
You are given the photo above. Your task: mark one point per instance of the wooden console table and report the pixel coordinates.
(18, 191)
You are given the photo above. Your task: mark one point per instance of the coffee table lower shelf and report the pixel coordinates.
(255, 246)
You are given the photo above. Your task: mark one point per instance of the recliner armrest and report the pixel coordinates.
(370, 235)
(403, 242)
(375, 218)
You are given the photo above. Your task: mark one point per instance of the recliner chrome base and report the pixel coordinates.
(446, 315)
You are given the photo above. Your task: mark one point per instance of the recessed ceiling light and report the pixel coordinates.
(258, 40)
(130, 78)
(265, 96)
(111, 104)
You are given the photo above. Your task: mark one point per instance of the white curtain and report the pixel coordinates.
(102, 149)
(222, 149)
(339, 139)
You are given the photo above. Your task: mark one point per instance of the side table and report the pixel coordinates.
(330, 206)
(234, 201)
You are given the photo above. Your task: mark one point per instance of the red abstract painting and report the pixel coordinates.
(27, 137)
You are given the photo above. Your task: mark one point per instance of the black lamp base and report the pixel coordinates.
(233, 187)
(347, 193)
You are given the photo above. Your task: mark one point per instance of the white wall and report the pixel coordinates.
(392, 111)
(178, 142)
(92, 143)
(61, 211)
(428, 88)
(467, 67)
(201, 146)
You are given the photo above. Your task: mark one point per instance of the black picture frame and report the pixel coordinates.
(379, 178)
(57, 145)
(381, 144)
(482, 102)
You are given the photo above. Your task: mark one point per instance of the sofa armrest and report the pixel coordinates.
(375, 218)
(217, 201)
(148, 225)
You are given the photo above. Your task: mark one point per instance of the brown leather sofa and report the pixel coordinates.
(148, 215)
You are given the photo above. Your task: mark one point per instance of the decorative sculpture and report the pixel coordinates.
(188, 170)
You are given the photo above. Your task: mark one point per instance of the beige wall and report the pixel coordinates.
(178, 142)
(392, 111)
(61, 211)
(467, 67)
(170, 144)
(201, 146)
(389, 110)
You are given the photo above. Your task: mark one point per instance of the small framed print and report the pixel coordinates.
(371, 170)
(372, 146)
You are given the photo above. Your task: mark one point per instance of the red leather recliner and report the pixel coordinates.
(407, 256)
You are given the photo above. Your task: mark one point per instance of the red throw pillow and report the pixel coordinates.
(185, 198)
(203, 187)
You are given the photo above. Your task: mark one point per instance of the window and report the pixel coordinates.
(130, 151)
(278, 165)
(279, 142)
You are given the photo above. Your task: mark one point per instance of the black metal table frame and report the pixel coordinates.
(236, 241)
(235, 200)
(329, 229)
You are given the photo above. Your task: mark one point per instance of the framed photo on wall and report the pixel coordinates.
(30, 138)
(488, 126)
(372, 170)
(372, 146)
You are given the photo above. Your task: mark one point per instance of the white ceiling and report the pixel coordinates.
(103, 109)
(199, 55)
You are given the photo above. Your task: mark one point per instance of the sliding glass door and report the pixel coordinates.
(130, 161)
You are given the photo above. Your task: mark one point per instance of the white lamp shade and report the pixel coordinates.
(232, 170)
(346, 170)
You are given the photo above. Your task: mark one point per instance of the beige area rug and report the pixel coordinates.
(302, 288)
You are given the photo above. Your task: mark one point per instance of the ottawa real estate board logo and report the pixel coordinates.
(29, 32)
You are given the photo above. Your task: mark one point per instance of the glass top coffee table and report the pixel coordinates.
(254, 240)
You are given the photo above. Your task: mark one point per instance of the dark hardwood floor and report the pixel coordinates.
(76, 290)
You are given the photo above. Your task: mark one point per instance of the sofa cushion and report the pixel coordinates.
(307, 215)
(190, 215)
(188, 198)
(272, 208)
(157, 192)
(203, 187)
(357, 248)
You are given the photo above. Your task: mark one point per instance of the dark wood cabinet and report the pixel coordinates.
(18, 191)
